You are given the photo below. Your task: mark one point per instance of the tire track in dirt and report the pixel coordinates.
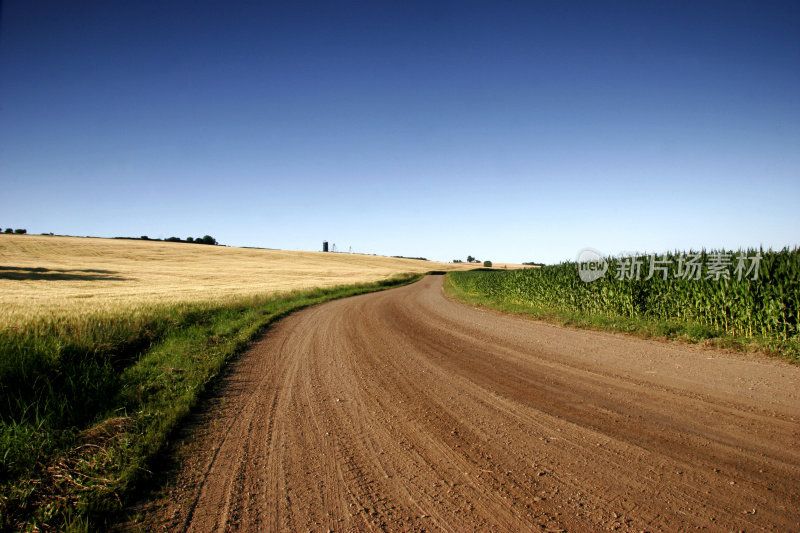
(405, 411)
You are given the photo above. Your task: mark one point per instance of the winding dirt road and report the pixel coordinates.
(406, 411)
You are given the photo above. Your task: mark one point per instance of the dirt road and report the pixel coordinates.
(403, 410)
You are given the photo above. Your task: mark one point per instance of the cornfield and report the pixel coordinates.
(743, 293)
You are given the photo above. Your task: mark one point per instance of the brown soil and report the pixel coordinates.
(406, 411)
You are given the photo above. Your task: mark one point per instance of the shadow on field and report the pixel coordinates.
(89, 274)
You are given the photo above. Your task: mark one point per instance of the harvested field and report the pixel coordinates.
(46, 277)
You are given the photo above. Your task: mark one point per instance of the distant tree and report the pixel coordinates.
(471, 259)
(207, 239)
(145, 238)
(20, 231)
(487, 264)
(457, 261)
(189, 239)
(9, 230)
(173, 239)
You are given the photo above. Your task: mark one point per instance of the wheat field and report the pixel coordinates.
(48, 277)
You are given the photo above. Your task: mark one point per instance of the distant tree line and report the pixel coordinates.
(206, 239)
(531, 263)
(405, 257)
(471, 259)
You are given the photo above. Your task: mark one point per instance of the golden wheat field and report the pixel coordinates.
(44, 277)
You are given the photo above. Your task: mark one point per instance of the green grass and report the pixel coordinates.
(85, 406)
(746, 314)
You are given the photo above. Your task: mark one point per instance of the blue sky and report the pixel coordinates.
(511, 131)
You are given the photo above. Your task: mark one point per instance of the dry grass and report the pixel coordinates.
(47, 277)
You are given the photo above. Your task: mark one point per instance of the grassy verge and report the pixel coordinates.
(85, 406)
(649, 328)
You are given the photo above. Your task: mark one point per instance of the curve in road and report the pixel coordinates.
(403, 410)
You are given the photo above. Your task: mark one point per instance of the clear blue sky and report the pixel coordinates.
(511, 131)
